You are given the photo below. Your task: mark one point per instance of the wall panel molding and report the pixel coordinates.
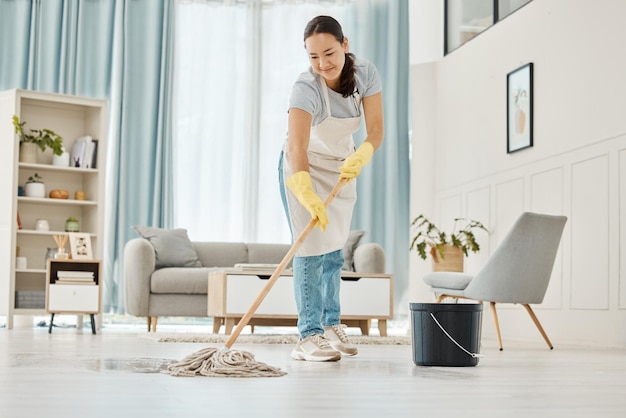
(589, 223)
(478, 204)
(621, 198)
(509, 204)
(546, 196)
(450, 207)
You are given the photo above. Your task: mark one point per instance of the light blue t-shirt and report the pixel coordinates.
(307, 93)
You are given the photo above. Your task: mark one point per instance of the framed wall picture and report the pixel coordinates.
(80, 245)
(519, 106)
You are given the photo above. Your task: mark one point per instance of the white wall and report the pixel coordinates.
(426, 27)
(577, 166)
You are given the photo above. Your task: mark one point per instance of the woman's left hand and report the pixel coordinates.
(354, 163)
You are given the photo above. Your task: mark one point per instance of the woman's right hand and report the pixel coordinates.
(301, 186)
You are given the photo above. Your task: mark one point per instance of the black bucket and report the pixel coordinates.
(431, 345)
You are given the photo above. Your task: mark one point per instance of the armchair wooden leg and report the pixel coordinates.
(217, 323)
(365, 326)
(538, 324)
(152, 324)
(229, 324)
(494, 314)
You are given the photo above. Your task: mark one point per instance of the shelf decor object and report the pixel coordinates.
(61, 241)
(28, 152)
(36, 138)
(35, 186)
(72, 224)
(519, 105)
(80, 243)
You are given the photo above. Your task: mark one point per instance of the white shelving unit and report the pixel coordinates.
(71, 117)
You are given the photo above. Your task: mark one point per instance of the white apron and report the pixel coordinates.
(329, 144)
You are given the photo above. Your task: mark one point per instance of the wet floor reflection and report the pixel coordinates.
(136, 365)
(130, 365)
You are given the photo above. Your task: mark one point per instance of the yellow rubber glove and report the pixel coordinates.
(302, 187)
(354, 163)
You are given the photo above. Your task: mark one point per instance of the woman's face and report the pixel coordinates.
(327, 56)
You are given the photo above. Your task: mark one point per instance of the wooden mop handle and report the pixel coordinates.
(279, 270)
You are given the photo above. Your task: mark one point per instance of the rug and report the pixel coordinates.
(265, 338)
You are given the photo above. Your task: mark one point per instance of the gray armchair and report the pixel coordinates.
(518, 271)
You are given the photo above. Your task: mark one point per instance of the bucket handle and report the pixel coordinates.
(473, 355)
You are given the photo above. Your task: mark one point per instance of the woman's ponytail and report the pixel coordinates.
(347, 83)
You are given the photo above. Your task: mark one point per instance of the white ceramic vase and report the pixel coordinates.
(35, 190)
(62, 160)
(28, 152)
(42, 225)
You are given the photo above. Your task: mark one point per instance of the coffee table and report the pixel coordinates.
(231, 292)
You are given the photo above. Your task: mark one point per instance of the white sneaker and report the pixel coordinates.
(339, 341)
(315, 348)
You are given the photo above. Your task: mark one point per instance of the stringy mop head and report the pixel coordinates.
(225, 363)
(215, 362)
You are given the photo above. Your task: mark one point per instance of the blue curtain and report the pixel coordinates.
(140, 166)
(57, 46)
(119, 50)
(382, 207)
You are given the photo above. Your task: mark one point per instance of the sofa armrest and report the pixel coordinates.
(369, 258)
(139, 264)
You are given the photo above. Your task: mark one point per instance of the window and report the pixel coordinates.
(506, 7)
(464, 19)
(235, 65)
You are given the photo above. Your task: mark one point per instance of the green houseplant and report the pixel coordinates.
(35, 186)
(428, 235)
(43, 138)
(35, 178)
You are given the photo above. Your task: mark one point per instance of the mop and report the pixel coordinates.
(224, 362)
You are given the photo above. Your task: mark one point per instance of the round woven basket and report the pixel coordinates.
(452, 259)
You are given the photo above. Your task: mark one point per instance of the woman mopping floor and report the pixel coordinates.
(325, 109)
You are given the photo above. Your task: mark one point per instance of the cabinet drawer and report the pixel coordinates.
(367, 296)
(70, 298)
(242, 290)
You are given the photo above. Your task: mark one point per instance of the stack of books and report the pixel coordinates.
(255, 266)
(75, 277)
(84, 152)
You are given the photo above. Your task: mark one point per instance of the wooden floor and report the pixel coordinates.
(115, 374)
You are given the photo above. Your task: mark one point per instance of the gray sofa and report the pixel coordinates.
(182, 291)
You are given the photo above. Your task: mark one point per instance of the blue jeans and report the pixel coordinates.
(281, 184)
(316, 281)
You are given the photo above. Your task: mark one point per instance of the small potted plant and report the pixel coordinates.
(35, 186)
(447, 250)
(42, 138)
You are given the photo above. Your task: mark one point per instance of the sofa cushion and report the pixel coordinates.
(221, 254)
(172, 247)
(180, 280)
(348, 249)
(448, 280)
(267, 253)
